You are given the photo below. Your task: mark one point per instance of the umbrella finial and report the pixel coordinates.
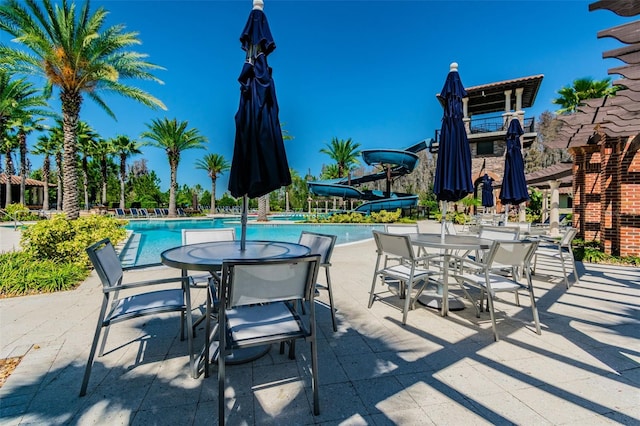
(258, 5)
(453, 67)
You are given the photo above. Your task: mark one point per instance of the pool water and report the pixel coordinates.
(152, 237)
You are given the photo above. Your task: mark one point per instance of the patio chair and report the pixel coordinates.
(401, 229)
(158, 212)
(120, 213)
(322, 244)
(258, 302)
(500, 233)
(165, 212)
(197, 278)
(142, 302)
(133, 211)
(143, 212)
(407, 272)
(561, 251)
(516, 255)
(180, 212)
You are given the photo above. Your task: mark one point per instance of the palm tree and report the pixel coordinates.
(103, 151)
(74, 53)
(215, 165)
(344, 153)
(26, 123)
(45, 147)
(87, 140)
(571, 97)
(124, 147)
(173, 137)
(7, 145)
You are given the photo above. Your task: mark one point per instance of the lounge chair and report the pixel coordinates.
(134, 212)
(180, 211)
(120, 213)
(143, 213)
(158, 212)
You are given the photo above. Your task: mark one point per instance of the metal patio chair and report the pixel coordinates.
(560, 251)
(515, 255)
(407, 272)
(144, 301)
(322, 244)
(258, 301)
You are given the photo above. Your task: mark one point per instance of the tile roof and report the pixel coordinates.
(15, 180)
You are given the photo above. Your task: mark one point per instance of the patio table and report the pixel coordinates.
(449, 245)
(209, 257)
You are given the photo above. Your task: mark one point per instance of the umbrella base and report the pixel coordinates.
(434, 300)
(430, 297)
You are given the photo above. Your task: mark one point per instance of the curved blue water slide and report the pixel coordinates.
(397, 162)
(391, 157)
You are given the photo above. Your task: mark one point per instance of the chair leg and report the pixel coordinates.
(534, 308)
(575, 270)
(221, 371)
(372, 293)
(314, 382)
(564, 270)
(407, 302)
(330, 291)
(105, 334)
(493, 317)
(94, 345)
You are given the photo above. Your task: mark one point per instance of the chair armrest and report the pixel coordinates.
(136, 267)
(148, 283)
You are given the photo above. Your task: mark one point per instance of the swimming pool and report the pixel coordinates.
(152, 237)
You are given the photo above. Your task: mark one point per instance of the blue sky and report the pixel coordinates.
(366, 70)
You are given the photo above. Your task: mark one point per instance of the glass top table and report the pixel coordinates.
(209, 257)
(449, 244)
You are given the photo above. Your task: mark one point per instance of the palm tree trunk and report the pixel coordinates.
(123, 176)
(103, 170)
(46, 165)
(70, 113)
(22, 140)
(213, 196)
(60, 190)
(85, 183)
(262, 208)
(172, 189)
(8, 173)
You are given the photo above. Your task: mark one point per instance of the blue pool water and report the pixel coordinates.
(152, 237)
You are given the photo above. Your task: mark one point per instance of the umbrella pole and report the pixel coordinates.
(443, 219)
(243, 222)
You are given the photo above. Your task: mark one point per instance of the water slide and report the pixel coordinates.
(393, 163)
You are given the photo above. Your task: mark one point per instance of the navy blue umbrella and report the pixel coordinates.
(487, 191)
(259, 163)
(453, 168)
(514, 185)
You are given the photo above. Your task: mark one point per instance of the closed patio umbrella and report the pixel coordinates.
(514, 184)
(487, 191)
(259, 163)
(453, 168)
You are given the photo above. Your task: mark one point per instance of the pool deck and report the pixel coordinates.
(583, 369)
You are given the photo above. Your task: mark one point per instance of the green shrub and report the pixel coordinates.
(21, 274)
(382, 216)
(64, 240)
(17, 211)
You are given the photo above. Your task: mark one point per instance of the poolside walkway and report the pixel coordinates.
(583, 369)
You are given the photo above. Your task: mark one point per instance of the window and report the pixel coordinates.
(485, 148)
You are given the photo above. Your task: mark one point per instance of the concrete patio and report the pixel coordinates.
(583, 369)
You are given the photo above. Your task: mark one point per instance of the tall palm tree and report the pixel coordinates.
(173, 137)
(8, 144)
(571, 97)
(16, 96)
(124, 147)
(344, 152)
(102, 153)
(215, 165)
(87, 140)
(25, 123)
(45, 147)
(77, 55)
